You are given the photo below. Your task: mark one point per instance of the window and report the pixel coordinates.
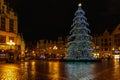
(11, 38)
(3, 9)
(11, 25)
(109, 44)
(8, 9)
(106, 49)
(101, 40)
(109, 39)
(2, 39)
(2, 24)
(105, 40)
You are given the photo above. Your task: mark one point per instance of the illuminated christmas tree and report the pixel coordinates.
(79, 45)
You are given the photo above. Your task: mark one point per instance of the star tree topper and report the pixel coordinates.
(79, 5)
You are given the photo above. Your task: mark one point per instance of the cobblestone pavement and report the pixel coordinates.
(43, 70)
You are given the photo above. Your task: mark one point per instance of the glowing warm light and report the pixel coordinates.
(119, 48)
(116, 56)
(55, 47)
(33, 52)
(10, 42)
(54, 67)
(9, 72)
(79, 4)
(50, 47)
(113, 49)
(33, 64)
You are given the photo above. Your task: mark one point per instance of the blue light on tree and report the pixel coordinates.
(79, 45)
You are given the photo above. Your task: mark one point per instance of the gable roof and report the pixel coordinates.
(116, 30)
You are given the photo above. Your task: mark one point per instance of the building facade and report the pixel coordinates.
(108, 44)
(51, 49)
(10, 39)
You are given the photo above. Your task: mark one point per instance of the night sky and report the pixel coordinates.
(48, 19)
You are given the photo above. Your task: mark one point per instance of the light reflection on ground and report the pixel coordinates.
(9, 72)
(43, 70)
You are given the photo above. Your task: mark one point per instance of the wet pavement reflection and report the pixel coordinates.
(48, 70)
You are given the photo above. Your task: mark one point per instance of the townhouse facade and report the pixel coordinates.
(10, 39)
(108, 43)
(51, 49)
